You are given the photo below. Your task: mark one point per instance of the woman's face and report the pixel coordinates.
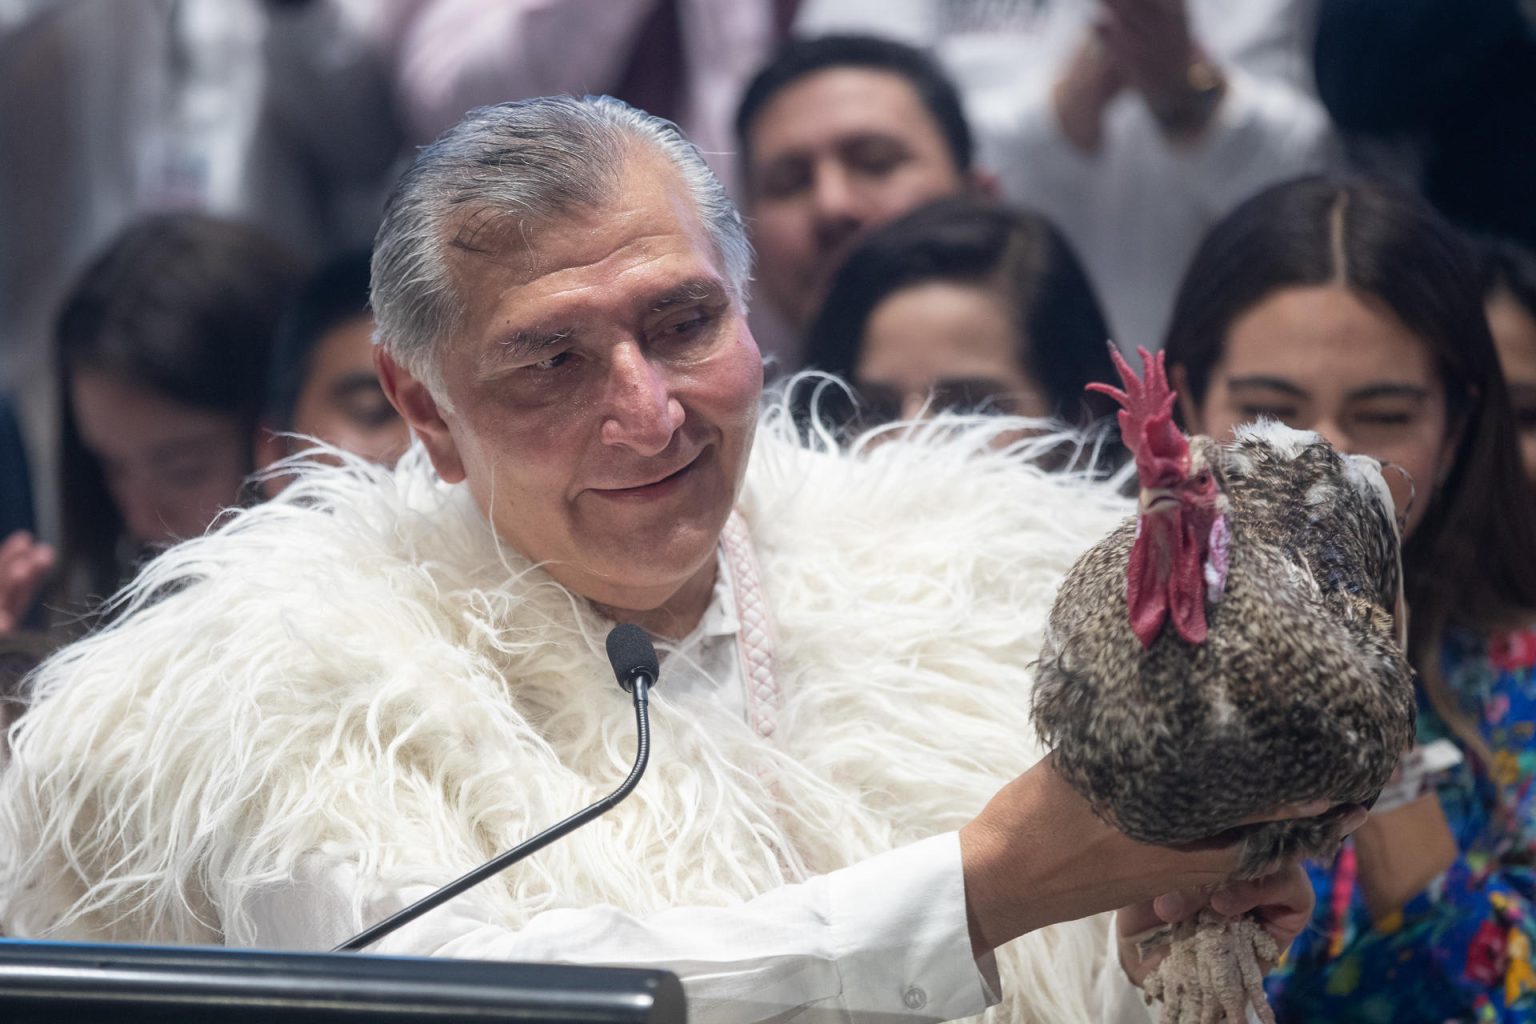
(956, 342)
(170, 468)
(1323, 358)
(1514, 334)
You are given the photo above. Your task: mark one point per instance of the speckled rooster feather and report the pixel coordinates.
(1298, 691)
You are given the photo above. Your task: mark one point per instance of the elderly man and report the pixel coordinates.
(353, 693)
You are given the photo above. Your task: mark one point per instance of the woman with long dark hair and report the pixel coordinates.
(1509, 291)
(965, 305)
(163, 346)
(1353, 310)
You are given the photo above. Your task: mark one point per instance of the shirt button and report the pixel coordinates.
(914, 998)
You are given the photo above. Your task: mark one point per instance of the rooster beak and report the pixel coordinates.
(1157, 501)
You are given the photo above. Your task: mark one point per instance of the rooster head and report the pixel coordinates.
(1179, 558)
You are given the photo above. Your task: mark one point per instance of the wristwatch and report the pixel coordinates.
(1204, 86)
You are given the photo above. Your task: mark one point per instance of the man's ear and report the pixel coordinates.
(420, 411)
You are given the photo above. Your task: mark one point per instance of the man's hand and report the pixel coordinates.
(1151, 41)
(1089, 81)
(1282, 902)
(1038, 855)
(24, 564)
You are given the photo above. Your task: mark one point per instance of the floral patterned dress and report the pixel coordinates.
(1461, 949)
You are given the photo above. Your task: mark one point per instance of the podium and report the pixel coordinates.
(50, 982)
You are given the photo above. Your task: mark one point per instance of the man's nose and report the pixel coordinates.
(835, 198)
(641, 413)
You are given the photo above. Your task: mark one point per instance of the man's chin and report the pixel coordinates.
(668, 600)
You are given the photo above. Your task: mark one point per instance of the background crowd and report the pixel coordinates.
(1322, 210)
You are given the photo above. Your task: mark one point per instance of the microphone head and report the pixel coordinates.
(631, 652)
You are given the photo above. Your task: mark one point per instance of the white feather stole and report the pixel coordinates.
(359, 668)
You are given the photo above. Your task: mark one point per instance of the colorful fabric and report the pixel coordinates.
(1461, 949)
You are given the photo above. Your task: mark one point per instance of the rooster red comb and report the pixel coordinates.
(1178, 560)
(1146, 420)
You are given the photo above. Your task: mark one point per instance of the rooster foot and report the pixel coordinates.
(1213, 971)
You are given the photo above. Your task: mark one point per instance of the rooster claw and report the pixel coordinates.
(1151, 940)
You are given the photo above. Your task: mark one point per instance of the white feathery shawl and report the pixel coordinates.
(359, 668)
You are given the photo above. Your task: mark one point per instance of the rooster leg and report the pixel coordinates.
(1256, 948)
(1212, 958)
(1213, 971)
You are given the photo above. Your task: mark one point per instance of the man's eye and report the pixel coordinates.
(875, 159)
(877, 166)
(785, 179)
(553, 362)
(690, 327)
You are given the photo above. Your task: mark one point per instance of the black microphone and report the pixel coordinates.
(633, 658)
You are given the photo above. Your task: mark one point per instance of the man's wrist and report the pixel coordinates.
(1184, 112)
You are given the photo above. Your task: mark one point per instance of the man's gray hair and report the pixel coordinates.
(533, 159)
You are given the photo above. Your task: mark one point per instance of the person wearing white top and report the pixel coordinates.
(1133, 125)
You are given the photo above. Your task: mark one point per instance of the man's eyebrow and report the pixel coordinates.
(698, 289)
(522, 344)
(1268, 383)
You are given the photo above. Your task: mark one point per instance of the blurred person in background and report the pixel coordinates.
(1133, 125)
(684, 60)
(968, 306)
(163, 346)
(838, 135)
(24, 561)
(323, 385)
(1509, 289)
(21, 651)
(279, 112)
(1354, 310)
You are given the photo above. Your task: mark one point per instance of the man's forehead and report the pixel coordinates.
(844, 97)
(647, 196)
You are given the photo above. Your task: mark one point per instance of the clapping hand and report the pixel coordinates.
(25, 563)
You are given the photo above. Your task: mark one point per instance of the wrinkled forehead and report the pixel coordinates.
(522, 244)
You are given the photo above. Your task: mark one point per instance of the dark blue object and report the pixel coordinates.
(50, 982)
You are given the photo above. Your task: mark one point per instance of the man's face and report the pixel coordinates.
(834, 154)
(603, 391)
(341, 401)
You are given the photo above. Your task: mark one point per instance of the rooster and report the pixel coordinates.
(1230, 649)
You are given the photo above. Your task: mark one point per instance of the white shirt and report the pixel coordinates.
(886, 939)
(1135, 211)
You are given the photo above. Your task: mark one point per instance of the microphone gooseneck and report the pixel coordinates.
(633, 658)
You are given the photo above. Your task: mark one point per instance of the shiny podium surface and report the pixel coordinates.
(47, 981)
